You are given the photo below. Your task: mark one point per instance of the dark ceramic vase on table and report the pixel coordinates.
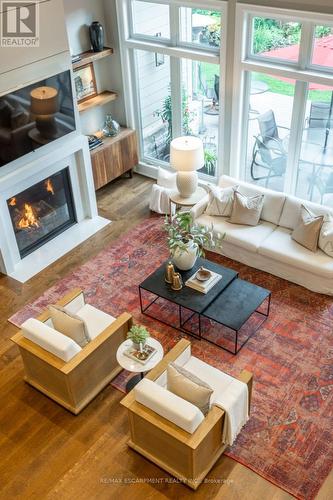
(96, 33)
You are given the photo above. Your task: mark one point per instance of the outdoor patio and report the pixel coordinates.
(313, 172)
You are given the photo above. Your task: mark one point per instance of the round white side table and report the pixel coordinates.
(180, 201)
(135, 366)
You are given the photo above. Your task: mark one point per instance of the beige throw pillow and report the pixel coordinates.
(325, 242)
(246, 210)
(70, 325)
(220, 200)
(307, 231)
(189, 387)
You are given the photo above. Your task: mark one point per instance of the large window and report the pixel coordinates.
(155, 105)
(201, 27)
(173, 52)
(274, 38)
(286, 93)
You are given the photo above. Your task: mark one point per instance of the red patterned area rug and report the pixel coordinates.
(289, 437)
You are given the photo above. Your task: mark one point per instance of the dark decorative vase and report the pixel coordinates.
(96, 32)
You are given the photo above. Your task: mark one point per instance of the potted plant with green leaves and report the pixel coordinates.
(187, 241)
(138, 334)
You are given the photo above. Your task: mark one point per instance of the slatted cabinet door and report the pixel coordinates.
(116, 156)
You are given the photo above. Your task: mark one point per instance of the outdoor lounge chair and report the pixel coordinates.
(269, 152)
(270, 158)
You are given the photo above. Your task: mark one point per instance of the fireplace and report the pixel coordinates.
(42, 211)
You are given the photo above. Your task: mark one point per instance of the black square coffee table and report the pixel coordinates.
(186, 298)
(233, 309)
(232, 303)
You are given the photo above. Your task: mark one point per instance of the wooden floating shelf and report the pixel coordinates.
(91, 56)
(98, 100)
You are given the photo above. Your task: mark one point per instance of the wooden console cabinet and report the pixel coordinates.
(116, 156)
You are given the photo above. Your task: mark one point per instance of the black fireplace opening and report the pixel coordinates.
(42, 211)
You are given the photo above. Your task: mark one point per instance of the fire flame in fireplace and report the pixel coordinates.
(49, 186)
(12, 202)
(29, 218)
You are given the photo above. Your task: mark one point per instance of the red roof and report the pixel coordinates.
(322, 56)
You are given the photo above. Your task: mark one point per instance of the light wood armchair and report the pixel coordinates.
(75, 383)
(188, 457)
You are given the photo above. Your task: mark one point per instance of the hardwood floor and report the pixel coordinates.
(45, 452)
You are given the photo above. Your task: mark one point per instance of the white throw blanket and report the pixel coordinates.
(234, 400)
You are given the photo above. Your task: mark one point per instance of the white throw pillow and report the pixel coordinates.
(307, 231)
(188, 386)
(69, 324)
(166, 179)
(246, 209)
(220, 200)
(325, 242)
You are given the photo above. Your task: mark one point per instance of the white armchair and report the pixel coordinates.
(58, 367)
(160, 193)
(174, 433)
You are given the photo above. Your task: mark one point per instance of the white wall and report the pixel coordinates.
(79, 15)
(21, 65)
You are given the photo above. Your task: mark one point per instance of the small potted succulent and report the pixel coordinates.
(138, 334)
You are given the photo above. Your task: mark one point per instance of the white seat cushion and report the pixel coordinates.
(95, 320)
(217, 380)
(281, 247)
(273, 201)
(292, 208)
(248, 237)
(74, 305)
(166, 404)
(49, 339)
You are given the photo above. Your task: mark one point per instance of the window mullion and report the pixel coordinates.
(176, 96)
(130, 17)
(136, 108)
(175, 73)
(296, 135)
(174, 25)
(305, 50)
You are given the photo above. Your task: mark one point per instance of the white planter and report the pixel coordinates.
(185, 260)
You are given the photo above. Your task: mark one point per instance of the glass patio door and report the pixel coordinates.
(269, 116)
(201, 102)
(315, 164)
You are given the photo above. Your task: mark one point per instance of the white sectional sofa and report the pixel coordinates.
(269, 246)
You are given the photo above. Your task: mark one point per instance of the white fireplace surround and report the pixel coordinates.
(73, 153)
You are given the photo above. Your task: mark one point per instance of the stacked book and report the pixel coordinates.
(94, 142)
(141, 356)
(203, 286)
(76, 58)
